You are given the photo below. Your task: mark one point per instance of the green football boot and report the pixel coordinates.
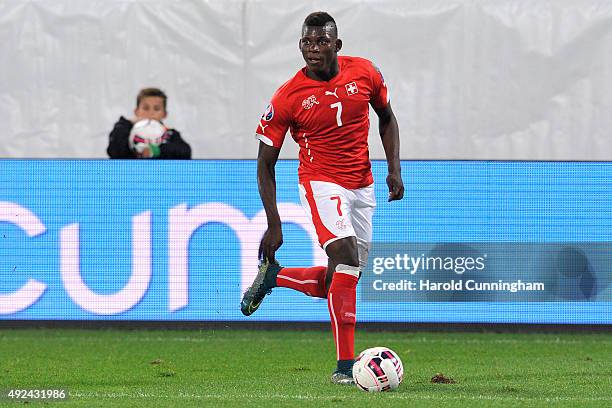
(262, 286)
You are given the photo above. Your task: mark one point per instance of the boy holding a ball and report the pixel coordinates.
(145, 136)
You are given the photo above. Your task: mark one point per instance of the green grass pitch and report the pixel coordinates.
(239, 368)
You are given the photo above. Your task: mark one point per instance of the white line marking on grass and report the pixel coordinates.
(391, 395)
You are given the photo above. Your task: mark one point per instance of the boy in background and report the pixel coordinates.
(150, 104)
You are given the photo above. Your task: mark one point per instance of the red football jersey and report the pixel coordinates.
(329, 120)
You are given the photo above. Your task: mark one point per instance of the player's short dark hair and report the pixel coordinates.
(318, 19)
(151, 92)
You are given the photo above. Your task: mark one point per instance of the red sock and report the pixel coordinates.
(310, 281)
(341, 305)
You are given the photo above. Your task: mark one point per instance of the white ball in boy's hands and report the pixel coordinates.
(146, 132)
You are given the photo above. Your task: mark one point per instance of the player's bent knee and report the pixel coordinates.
(344, 251)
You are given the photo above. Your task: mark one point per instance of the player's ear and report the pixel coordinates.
(338, 45)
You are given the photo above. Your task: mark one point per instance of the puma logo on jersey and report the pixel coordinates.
(263, 127)
(332, 93)
(309, 102)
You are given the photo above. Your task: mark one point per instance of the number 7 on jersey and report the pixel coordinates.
(338, 113)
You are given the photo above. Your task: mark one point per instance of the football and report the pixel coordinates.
(378, 369)
(146, 132)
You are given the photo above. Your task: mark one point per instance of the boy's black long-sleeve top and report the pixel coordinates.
(118, 144)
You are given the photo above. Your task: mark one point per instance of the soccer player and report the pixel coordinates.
(326, 107)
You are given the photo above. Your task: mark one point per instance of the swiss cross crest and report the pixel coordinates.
(351, 88)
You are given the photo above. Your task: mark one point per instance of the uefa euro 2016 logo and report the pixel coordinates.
(268, 113)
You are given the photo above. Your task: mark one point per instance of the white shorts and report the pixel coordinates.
(337, 212)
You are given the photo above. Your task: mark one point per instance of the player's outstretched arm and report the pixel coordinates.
(266, 180)
(389, 133)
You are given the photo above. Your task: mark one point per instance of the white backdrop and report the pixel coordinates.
(469, 79)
